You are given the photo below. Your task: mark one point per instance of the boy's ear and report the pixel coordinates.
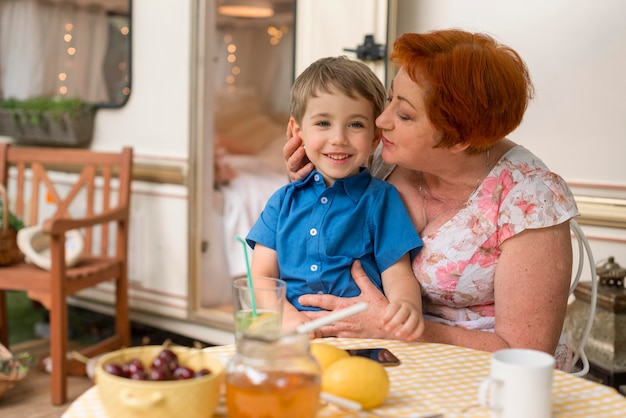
(294, 128)
(378, 134)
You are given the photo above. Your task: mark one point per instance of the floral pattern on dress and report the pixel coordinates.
(456, 266)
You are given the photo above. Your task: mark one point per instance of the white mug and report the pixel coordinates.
(520, 384)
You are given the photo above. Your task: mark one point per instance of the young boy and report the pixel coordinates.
(311, 231)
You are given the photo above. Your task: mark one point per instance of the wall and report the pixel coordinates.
(156, 122)
(156, 118)
(576, 53)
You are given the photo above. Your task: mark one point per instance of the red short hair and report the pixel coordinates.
(477, 90)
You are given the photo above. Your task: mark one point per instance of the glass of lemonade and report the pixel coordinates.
(263, 314)
(273, 378)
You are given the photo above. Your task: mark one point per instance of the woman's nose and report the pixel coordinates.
(382, 121)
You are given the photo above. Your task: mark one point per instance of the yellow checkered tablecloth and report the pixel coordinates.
(434, 379)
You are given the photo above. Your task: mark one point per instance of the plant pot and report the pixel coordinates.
(47, 128)
(9, 124)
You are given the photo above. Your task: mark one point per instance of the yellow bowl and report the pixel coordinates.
(190, 398)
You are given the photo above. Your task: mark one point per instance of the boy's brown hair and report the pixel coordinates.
(353, 78)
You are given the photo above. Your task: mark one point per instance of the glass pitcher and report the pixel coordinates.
(273, 378)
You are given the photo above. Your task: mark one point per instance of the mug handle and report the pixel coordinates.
(489, 394)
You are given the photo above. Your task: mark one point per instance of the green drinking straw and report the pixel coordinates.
(249, 274)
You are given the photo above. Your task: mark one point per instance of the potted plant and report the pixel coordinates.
(48, 121)
(15, 223)
(13, 368)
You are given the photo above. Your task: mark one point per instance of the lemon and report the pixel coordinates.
(358, 378)
(266, 324)
(326, 354)
(264, 321)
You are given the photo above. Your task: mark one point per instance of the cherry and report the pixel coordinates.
(133, 365)
(160, 363)
(164, 366)
(159, 374)
(170, 358)
(139, 375)
(115, 369)
(168, 354)
(182, 372)
(202, 372)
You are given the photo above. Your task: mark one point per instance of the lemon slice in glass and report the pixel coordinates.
(267, 323)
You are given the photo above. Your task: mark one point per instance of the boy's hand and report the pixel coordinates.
(404, 319)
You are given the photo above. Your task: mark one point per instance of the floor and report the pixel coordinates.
(31, 396)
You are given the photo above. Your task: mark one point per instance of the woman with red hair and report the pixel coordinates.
(496, 264)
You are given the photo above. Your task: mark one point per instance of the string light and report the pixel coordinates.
(71, 51)
(235, 70)
(276, 34)
(122, 65)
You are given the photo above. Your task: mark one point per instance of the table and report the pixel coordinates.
(434, 379)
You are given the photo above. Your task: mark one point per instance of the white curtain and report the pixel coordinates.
(264, 67)
(36, 44)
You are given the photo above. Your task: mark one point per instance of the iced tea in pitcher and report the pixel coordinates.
(278, 379)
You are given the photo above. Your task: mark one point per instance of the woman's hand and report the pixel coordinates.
(367, 324)
(298, 164)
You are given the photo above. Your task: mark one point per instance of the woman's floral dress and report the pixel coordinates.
(456, 266)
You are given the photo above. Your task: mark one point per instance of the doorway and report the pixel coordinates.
(243, 108)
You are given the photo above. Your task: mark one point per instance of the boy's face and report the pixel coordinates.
(338, 133)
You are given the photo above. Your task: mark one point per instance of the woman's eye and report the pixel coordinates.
(403, 116)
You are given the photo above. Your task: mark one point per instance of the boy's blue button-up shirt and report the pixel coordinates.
(318, 232)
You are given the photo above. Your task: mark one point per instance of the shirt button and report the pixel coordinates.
(316, 177)
(320, 292)
(313, 267)
(313, 232)
(324, 200)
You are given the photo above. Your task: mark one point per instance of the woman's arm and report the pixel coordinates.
(531, 290)
(533, 278)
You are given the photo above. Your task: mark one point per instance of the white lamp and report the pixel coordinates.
(245, 8)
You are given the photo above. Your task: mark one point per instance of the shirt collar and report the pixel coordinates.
(353, 186)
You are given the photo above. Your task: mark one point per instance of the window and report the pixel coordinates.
(75, 49)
